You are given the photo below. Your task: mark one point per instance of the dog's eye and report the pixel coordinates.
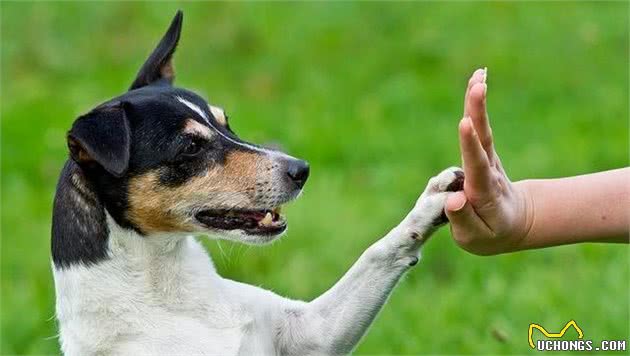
(193, 148)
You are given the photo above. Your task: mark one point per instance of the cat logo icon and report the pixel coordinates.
(553, 335)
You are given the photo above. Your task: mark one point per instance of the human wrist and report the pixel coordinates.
(526, 207)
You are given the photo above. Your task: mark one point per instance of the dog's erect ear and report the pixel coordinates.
(159, 65)
(102, 136)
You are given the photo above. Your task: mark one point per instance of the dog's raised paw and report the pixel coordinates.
(449, 180)
(431, 203)
(428, 213)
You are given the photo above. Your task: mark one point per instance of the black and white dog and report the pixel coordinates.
(154, 166)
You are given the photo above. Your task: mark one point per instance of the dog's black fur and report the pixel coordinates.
(126, 137)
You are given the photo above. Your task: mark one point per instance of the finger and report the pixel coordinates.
(478, 76)
(455, 202)
(478, 114)
(474, 160)
(467, 228)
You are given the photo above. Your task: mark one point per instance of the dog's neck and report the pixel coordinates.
(128, 245)
(83, 231)
(98, 261)
(144, 285)
(120, 284)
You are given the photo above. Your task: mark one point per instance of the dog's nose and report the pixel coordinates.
(298, 171)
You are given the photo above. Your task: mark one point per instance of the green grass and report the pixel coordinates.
(370, 94)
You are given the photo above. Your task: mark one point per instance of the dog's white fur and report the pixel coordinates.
(161, 295)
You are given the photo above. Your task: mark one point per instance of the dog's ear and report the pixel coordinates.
(102, 136)
(159, 65)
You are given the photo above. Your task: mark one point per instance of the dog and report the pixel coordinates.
(156, 165)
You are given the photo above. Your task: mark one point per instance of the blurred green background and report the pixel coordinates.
(370, 94)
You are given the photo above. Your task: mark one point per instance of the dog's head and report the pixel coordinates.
(161, 159)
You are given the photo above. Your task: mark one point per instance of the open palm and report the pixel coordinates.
(491, 214)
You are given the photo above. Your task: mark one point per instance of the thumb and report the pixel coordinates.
(466, 226)
(455, 202)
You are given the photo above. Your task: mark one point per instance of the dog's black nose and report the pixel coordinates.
(298, 170)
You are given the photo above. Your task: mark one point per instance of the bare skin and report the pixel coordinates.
(493, 215)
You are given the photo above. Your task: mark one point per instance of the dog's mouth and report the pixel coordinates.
(252, 222)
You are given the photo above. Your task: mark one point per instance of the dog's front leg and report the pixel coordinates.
(334, 322)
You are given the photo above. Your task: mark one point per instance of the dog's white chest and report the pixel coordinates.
(132, 304)
(182, 336)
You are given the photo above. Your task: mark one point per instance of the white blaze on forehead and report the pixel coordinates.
(218, 114)
(201, 113)
(194, 108)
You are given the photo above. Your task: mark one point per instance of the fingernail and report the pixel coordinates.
(485, 74)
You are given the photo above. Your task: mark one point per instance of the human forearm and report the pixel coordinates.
(593, 207)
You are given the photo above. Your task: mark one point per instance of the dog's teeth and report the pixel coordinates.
(267, 220)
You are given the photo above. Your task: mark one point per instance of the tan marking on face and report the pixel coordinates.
(149, 205)
(195, 128)
(218, 114)
(243, 168)
(154, 207)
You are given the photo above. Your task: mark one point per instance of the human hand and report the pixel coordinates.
(491, 215)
